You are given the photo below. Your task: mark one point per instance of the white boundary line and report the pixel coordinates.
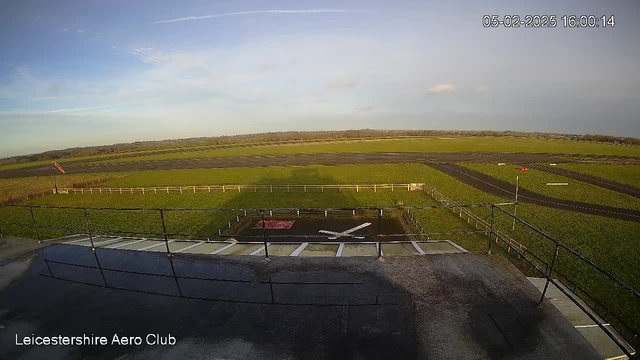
(590, 326)
(300, 249)
(418, 248)
(456, 246)
(128, 243)
(75, 241)
(63, 237)
(189, 247)
(340, 249)
(154, 245)
(256, 252)
(222, 249)
(107, 242)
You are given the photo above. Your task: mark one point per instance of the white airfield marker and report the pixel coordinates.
(346, 232)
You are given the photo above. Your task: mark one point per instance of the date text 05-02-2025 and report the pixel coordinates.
(549, 21)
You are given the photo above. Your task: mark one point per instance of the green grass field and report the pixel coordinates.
(353, 174)
(18, 188)
(462, 144)
(536, 180)
(625, 174)
(610, 243)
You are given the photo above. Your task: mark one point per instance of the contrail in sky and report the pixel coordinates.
(311, 11)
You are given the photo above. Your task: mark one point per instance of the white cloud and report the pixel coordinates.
(481, 89)
(73, 110)
(150, 55)
(311, 11)
(441, 89)
(80, 31)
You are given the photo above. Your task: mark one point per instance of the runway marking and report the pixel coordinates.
(340, 249)
(456, 246)
(107, 242)
(300, 248)
(129, 243)
(346, 232)
(75, 241)
(155, 245)
(222, 249)
(256, 252)
(590, 326)
(418, 248)
(190, 247)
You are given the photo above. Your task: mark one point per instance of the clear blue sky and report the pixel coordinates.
(76, 73)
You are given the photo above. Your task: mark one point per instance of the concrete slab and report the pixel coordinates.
(206, 248)
(173, 246)
(603, 344)
(87, 241)
(140, 245)
(360, 250)
(438, 248)
(320, 250)
(413, 307)
(240, 249)
(404, 249)
(122, 243)
(278, 250)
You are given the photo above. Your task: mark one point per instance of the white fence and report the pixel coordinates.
(245, 188)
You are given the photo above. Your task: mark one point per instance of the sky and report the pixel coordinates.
(81, 73)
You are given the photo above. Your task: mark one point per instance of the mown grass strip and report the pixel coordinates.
(536, 181)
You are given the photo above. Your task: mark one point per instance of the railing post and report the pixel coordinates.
(35, 226)
(379, 233)
(86, 221)
(164, 231)
(546, 285)
(264, 236)
(493, 211)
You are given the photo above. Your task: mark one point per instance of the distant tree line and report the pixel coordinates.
(298, 136)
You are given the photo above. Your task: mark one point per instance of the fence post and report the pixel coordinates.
(194, 189)
(379, 233)
(86, 221)
(33, 218)
(264, 236)
(546, 285)
(164, 231)
(493, 210)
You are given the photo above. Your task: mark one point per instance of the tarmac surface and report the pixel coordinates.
(314, 159)
(498, 187)
(461, 306)
(594, 180)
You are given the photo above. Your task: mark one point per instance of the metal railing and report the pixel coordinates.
(547, 270)
(240, 188)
